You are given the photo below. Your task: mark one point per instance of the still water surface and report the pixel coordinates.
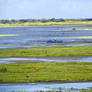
(39, 36)
(46, 59)
(33, 87)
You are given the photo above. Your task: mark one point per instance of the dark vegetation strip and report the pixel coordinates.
(44, 22)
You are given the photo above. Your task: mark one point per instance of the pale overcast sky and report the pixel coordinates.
(20, 9)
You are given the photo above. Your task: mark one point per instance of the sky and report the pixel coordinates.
(38, 9)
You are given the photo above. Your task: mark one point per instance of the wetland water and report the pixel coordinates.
(27, 37)
(34, 87)
(46, 59)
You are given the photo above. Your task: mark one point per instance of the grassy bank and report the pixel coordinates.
(54, 51)
(46, 72)
(70, 23)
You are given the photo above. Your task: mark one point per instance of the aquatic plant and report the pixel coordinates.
(64, 90)
(4, 35)
(73, 28)
(69, 90)
(85, 37)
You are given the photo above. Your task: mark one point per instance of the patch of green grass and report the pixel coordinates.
(53, 51)
(46, 72)
(85, 37)
(9, 35)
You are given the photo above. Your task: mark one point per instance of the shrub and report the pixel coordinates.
(4, 69)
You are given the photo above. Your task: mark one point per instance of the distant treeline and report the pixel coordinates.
(41, 20)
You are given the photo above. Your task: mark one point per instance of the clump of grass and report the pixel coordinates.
(73, 28)
(3, 69)
(4, 35)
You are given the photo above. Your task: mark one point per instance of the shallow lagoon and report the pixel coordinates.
(38, 36)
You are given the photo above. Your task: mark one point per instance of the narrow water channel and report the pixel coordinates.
(47, 59)
(34, 87)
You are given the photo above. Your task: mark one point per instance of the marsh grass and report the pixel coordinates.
(46, 72)
(4, 35)
(53, 51)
